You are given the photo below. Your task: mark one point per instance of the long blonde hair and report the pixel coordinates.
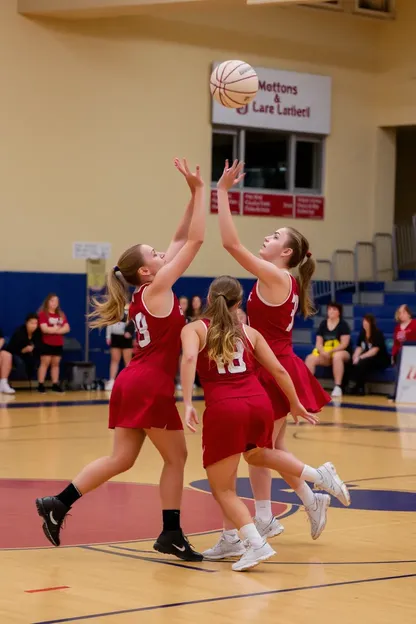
(302, 258)
(111, 309)
(224, 329)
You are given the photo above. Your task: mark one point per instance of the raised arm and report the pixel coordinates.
(173, 269)
(265, 271)
(181, 235)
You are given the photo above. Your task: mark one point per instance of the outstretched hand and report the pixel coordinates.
(298, 411)
(194, 180)
(191, 418)
(231, 175)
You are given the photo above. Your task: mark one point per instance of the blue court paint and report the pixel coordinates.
(152, 559)
(361, 499)
(223, 598)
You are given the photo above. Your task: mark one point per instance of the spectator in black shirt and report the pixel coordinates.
(20, 349)
(370, 355)
(332, 346)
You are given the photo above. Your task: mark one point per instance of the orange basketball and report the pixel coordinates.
(234, 84)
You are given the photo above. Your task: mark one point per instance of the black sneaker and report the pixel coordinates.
(57, 388)
(175, 543)
(41, 388)
(53, 513)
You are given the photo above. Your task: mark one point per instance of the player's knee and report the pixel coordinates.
(122, 463)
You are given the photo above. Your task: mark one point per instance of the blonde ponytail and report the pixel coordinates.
(224, 329)
(302, 257)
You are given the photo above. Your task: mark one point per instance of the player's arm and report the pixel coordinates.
(181, 235)
(264, 270)
(191, 344)
(172, 271)
(265, 356)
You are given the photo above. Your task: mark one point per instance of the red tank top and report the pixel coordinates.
(234, 380)
(158, 337)
(274, 322)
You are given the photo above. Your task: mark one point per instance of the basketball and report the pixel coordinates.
(234, 84)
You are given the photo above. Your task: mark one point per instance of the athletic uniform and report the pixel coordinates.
(275, 323)
(238, 414)
(143, 393)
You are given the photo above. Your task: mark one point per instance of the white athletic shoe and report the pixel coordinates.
(5, 388)
(225, 548)
(270, 528)
(333, 484)
(253, 556)
(317, 513)
(109, 385)
(337, 392)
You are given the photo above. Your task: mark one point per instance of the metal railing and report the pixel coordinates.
(323, 284)
(365, 262)
(344, 275)
(404, 244)
(385, 257)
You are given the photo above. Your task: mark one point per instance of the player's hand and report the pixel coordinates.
(231, 175)
(298, 411)
(194, 180)
(356, 359)
(191, 417)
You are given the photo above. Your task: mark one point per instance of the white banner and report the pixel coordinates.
(406, 388)
(91, 251)
(285, 101)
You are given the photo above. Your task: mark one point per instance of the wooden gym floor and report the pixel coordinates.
(361, 570)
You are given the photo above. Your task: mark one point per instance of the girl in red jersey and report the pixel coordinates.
(271, 309)
(239, 416)
(53, 325)
(142, 401)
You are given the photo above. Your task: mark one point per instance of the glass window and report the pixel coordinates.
(224, 145)
(381, 6)
(308, 165)
(266, 160)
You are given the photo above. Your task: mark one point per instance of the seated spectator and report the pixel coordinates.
(184, 305)
(332, 346)
(119, 338)
(1, 339)
(370, 355)
(53, 325)
(21, 348)
(405, 330)
(195, 308)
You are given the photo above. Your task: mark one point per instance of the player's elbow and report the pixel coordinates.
(230, 246)
(189, 358)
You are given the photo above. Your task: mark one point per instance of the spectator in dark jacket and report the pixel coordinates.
(370, 354)
(21, 349)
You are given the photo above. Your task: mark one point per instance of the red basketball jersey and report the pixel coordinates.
(274, 322)
(158, 337)
(234, 380)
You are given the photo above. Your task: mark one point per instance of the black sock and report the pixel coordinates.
(171, 519)
(69, 495)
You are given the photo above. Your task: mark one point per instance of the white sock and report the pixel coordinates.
(310, 474)
(305, 494)
(231, 535)
(263, 510)
(250, 533)
(3, 381)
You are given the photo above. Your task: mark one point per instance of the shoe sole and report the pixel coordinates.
(344, 497)
(327, 504)
(42, 513)
(227, 556)
(274, 532)
(255, 563)
(176, 553)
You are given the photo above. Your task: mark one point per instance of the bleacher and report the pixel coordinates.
(379, 298)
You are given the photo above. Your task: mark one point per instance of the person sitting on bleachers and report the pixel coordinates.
(332, 346)
(21, 349)
(370, 354)
(404, 331)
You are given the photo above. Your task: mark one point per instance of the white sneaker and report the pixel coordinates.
(225, 548)
(317, 513)
(333, 484)
(337, 392)
(109, 385)
(253, 556)
(178, 386)
(269, 528)
(6, 389)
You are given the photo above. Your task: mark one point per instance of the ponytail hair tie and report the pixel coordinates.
(115, 269)
(308, 254)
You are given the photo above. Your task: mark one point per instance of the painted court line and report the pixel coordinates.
(152, 559)
(45, 589)
(223, 598)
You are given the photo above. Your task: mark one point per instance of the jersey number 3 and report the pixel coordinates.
(295, 302)
(237, 365)
(141, 326)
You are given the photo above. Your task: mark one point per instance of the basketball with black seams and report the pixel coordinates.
(234, 84)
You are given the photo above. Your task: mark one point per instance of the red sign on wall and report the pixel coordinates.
(309, 207)
(233, 197)
(267, 205)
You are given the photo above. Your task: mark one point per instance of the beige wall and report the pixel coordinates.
(93, 113)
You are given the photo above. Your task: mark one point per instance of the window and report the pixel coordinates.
(381, 8)
(276, 162)
(266, 158)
